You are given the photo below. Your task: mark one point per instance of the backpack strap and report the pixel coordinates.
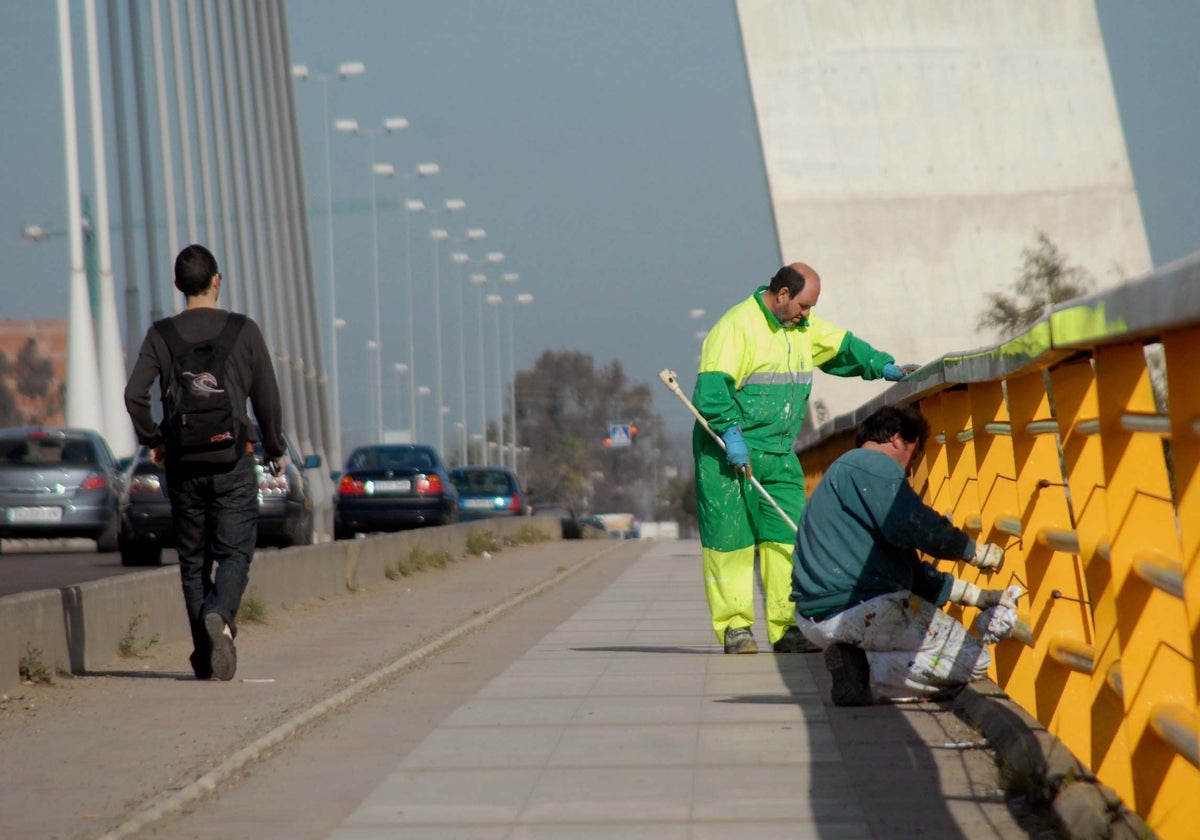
(228, 336)
(170, 334)
(223, 343)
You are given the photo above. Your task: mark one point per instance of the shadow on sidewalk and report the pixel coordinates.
(909, 763)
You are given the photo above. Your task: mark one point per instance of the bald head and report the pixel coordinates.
(793, 293)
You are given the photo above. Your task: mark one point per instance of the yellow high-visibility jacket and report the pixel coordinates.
(757, 374)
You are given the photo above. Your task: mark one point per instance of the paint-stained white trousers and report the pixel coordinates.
(914, 648)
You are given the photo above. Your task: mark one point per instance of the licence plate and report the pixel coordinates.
(393, 486)
(34, 514)
(478, 504)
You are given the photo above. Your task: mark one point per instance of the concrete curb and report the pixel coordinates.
(81, 627)
(175, 801)
(1035, 763)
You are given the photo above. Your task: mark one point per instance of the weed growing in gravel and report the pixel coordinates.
(392, 572)
(131, 644)
(252, 610)
(530, 534)
(31, 667)
(419, 558)
(480, 541)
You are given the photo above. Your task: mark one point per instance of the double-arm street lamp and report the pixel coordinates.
(437, 235)
(390, 124)
(461, 259)
(411, 205)
(520, 299)
(344, 71)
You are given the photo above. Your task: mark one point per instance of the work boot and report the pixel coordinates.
(793, 641)
(224, 654)
(851, 675)
(740, 640)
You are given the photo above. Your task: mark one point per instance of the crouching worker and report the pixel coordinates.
(861, 591)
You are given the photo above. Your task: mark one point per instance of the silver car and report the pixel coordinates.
(57, 482)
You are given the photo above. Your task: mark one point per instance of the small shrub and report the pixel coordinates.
(252, 610)
(530, 534)
(31, 667)
(131, 645)
(479, 542)
(392, 572)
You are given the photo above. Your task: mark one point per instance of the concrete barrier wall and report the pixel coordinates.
(139, 609)
(31, 625)
(84, 627)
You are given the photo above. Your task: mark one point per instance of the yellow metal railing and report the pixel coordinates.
(1052, 445)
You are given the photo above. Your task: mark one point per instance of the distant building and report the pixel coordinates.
(49, 349)
(914, 150)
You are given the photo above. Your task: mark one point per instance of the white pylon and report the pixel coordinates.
(83, 392)
(118, 430)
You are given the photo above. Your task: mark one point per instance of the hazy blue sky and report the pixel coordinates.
(608, 148)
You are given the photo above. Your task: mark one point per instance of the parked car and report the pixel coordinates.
(59, 482)
(596, 523)
(391, 487)
(487, 492)
(285, 507)
(571, 529)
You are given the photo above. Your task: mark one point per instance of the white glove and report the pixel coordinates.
(970, 595)
(988, 556)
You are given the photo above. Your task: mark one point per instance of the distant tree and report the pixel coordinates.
(565, 406)
(677, 503)
(9, 413)
(1045, 280)
(31, 376)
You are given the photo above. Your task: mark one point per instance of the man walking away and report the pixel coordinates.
(208, 362)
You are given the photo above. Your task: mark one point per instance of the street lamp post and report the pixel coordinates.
(344, 71)
(497, 301)
(438, 234)
(390, 124)
(410, 206)
(400, 368)
(512, 368)
(372, 374)
(460, 258)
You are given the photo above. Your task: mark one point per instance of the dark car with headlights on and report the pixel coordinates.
(285, 507)
(58, 482)
(392, 487)
(486, 492)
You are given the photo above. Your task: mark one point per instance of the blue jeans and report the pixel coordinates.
(216, 524)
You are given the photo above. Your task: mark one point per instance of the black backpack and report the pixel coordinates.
(204, 402)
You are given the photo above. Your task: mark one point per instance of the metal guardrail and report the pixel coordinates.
(1051, 444)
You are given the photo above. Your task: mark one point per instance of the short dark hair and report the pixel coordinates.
(904, 420)
(787, 278)
(195, 268)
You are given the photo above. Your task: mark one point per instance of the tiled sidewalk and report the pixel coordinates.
(627, 721)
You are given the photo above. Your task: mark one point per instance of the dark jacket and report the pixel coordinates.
(859, 536)
(250, 356)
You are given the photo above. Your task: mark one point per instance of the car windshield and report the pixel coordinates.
(48, 451)
(390, 458)
(482, 482)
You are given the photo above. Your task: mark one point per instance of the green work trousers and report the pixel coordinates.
(736, 519)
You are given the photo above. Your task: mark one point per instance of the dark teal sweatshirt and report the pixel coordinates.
(860, 534)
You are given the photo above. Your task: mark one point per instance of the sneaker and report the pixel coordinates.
(740, 640)
(224, 654)
(793, 641)
(851, 675)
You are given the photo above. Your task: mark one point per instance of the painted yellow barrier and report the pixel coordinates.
(1068, 447)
